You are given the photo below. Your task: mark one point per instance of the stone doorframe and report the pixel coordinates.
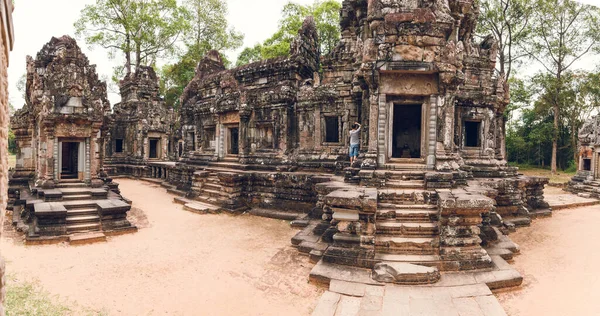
(428, 128)
(84, 149)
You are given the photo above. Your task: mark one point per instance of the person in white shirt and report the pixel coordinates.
(354, 142)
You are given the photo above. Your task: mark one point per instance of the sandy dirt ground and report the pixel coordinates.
(178, 263)
(559, 263)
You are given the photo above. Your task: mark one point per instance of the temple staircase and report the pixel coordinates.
(407, 228)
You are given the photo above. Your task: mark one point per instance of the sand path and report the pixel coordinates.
(559, 263)
(181, 263)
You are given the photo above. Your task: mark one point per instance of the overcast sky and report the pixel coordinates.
(36, 21)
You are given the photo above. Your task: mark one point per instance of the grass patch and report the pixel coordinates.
(559, 177)
(25, 298)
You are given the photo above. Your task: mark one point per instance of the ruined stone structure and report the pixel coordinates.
(431, 186)
(56, 188)
(139, 129)
(586, 182)
(58, 129)
(6, 45)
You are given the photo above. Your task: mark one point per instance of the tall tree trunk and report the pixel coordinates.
(554, 141)
(128, 55)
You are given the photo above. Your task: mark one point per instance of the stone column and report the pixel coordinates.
(243, 133)
(373, 125)
(55, 154)
(88, 162)
(381, 120)
(460, 219)
(432, 131)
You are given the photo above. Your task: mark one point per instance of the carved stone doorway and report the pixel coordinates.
(405, 140)
(71, 160)
(233, 140)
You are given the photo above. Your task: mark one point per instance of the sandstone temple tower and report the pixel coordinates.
(58, 189)
(139, 129)
(58, 129)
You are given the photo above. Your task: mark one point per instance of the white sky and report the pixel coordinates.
(36, 21)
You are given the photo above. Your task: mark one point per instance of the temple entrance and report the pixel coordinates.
(405, 130)
(233, 141)
(71, 161)
(154, 150)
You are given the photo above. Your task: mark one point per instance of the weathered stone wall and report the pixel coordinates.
(141, 116)
(65, 102)
(6, 44)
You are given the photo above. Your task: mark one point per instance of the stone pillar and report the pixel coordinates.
(382, 117)
(88, 162)
(460, 219)
(55, 153)
(353, 216)
(432, 131)
(243, 134)
(373, 125)
(448, 128)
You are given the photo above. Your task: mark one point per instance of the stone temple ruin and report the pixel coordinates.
(431, 188)
(57, 186)
(585, 183)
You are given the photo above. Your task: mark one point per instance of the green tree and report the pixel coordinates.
(142, 30)
(209, 30)
(508, 22)
(565, 32)
(250, 55)
(327, 18)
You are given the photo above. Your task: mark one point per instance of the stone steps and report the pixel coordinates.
(86, 238)
(82, 211)
(212, 186)
(395, 227)
(77, 228)
(405, 184)
(65, 185)
(82, 219)
(406, 245)
(76, 197)
(407, 215)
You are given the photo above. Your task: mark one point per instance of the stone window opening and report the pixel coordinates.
(587, 164)
(472, 133)
(153, 153)
(118, 145)
(332, 129)
(210, 138)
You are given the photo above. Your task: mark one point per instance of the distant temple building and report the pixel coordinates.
(587, 180)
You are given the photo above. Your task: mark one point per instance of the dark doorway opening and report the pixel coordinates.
(180, 149)
(472, 131)
(118, 145)
(70, 160)
(234, 145)
(153, 148)
(587, 164)
(406, 131)
(332, 129)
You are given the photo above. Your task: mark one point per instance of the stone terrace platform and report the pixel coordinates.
(70, 212)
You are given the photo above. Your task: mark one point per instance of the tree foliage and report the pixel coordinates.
(327, 18)
(565, 32)
(209, 30)
(142, 30)
(508, 21)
